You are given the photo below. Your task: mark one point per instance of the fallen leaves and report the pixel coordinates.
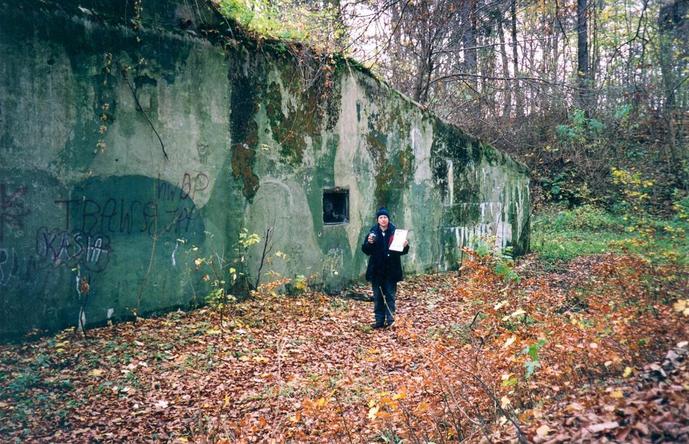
(509, 341)
(617, 394)
(161, 404)
(641, 408)
(543, 431)
(514, 314)
(304, 369)
(682, 306)
(604, 426)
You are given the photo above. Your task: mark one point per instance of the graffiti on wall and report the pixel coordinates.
(26, 269)
(490, 223)
(60, 247)
(97, 214)
(8, 265)
(190, 185)
(123, 215)
(123, 207)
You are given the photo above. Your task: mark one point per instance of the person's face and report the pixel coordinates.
(383, 221)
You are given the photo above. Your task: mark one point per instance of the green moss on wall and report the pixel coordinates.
(330, 98)
(244, 102)
(492, 156)
(466, 187)
(296, 108)
(312, 103)
(464, 213)
(450, 143)
(393, 159)
(243, 159)
(290, 130)
(392, 168)
(376, 143)
(520, 245)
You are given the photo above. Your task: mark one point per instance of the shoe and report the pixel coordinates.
(377, 325)
(389, 324)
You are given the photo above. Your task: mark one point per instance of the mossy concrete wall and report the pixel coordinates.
(133, 142)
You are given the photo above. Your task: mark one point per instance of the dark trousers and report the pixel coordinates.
(384, 293)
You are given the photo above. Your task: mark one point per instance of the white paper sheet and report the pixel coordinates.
(398, 240)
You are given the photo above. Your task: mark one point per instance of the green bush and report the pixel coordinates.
(501, 260)
(564, 234)
(560, 235)
(585, 217)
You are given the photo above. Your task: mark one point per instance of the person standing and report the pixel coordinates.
(384, 268)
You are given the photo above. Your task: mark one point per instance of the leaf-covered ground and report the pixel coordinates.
(473, 356)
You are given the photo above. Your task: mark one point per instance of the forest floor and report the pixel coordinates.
(595, 350)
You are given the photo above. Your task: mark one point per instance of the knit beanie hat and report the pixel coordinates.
(382, 212)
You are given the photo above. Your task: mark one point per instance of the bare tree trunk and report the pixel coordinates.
(595, 50)
(487, 66)
(469, 65)
(554, 66)
(469, 36)
(544, 64)
(670, 17)
(583, 74)
(395, 45)
(507, 95)
(423, 74)
(515, 63)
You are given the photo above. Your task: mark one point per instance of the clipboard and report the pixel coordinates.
(398, 240)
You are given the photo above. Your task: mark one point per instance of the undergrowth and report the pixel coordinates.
(560, 235)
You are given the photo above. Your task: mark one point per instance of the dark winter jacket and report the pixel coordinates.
(383, 264)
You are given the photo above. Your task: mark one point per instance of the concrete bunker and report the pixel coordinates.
(126, 154)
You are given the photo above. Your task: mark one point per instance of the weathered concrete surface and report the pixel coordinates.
(252, 140)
